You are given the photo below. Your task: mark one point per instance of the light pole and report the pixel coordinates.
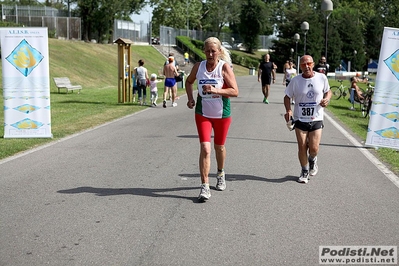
(297, 37)
(187, 17)
(169, 33)
(327, 8)
(305, 29)
(354, 59)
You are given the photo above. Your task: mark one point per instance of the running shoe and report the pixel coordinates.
(174, 104)
(266, 101)
(205, 193)
(164, 104)
(304, 177)
(313, 168)
(221, 181)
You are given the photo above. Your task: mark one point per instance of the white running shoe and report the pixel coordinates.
(174, 104)
(313, 168)
(205, 193)
(221, 181)
(304, 177)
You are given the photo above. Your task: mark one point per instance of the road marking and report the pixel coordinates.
(388, 173)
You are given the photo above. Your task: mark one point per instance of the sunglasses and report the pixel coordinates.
(307, 64)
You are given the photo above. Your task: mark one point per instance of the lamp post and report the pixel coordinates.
(327, 8)
(305, 29)
(187, 17)
(169, 33)
(297, 37)
(354, 59)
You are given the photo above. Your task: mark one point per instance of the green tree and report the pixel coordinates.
(221, 14)
(176, 14)
(253, 22)
(98, 16)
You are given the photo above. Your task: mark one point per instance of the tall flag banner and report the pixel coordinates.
(26, 85)
(384, 114)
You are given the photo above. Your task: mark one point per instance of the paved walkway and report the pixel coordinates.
(125, 193)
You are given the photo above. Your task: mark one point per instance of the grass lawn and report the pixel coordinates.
(355, 122)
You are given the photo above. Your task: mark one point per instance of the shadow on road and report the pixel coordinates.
(147, 192)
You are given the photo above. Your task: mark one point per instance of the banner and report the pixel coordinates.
(384, 114)
(26, 85)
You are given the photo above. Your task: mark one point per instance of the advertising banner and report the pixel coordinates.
(384, 114)
(26, 85)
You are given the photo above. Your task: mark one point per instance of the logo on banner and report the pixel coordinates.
(25, 58)
(392, 63)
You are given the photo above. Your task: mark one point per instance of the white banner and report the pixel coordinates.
(384, 115)
(26, 85)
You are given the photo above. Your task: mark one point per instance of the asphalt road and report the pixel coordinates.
(125, 193)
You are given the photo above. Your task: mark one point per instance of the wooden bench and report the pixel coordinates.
(65, 83)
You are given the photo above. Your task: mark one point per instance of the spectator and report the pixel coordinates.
(154, 89)
(170, 73)
(142, 78)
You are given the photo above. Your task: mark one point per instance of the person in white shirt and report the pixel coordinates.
(312, 94)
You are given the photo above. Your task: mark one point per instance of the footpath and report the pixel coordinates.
(125, 193)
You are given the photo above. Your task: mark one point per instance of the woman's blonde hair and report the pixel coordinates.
(225, 54)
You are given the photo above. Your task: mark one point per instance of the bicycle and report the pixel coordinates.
(365, 103)
(339, 91)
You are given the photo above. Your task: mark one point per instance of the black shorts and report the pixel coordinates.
(309, 126)
(266, 80)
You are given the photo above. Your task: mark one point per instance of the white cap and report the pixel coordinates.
(154, 75)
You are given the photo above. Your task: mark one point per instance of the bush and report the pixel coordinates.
(196, 48)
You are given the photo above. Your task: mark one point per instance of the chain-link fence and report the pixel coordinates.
(57, 21)
(60, 25)
(136, 32)
(168, 36)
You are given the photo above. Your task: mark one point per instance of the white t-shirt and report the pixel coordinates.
(308, 92)
(290, 73)
(153, 85)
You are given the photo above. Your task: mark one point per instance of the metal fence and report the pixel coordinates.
(168, 36)
(57, 21)
(60, 25)
(136, 32)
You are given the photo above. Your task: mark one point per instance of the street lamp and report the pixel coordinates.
(169, 33)
(187, 17)
(327, 8)
(305, 28)
(354, 59)
(297, 37)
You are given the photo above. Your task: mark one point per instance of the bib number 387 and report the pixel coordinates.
(307, 111)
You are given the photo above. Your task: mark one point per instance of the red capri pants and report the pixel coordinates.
(220, 128)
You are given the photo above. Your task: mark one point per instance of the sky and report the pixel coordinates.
(145, 15)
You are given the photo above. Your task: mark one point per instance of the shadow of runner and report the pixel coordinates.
(147, 192)
(238, 177)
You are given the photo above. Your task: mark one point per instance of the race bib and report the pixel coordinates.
(308, 110)
(203, 82)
